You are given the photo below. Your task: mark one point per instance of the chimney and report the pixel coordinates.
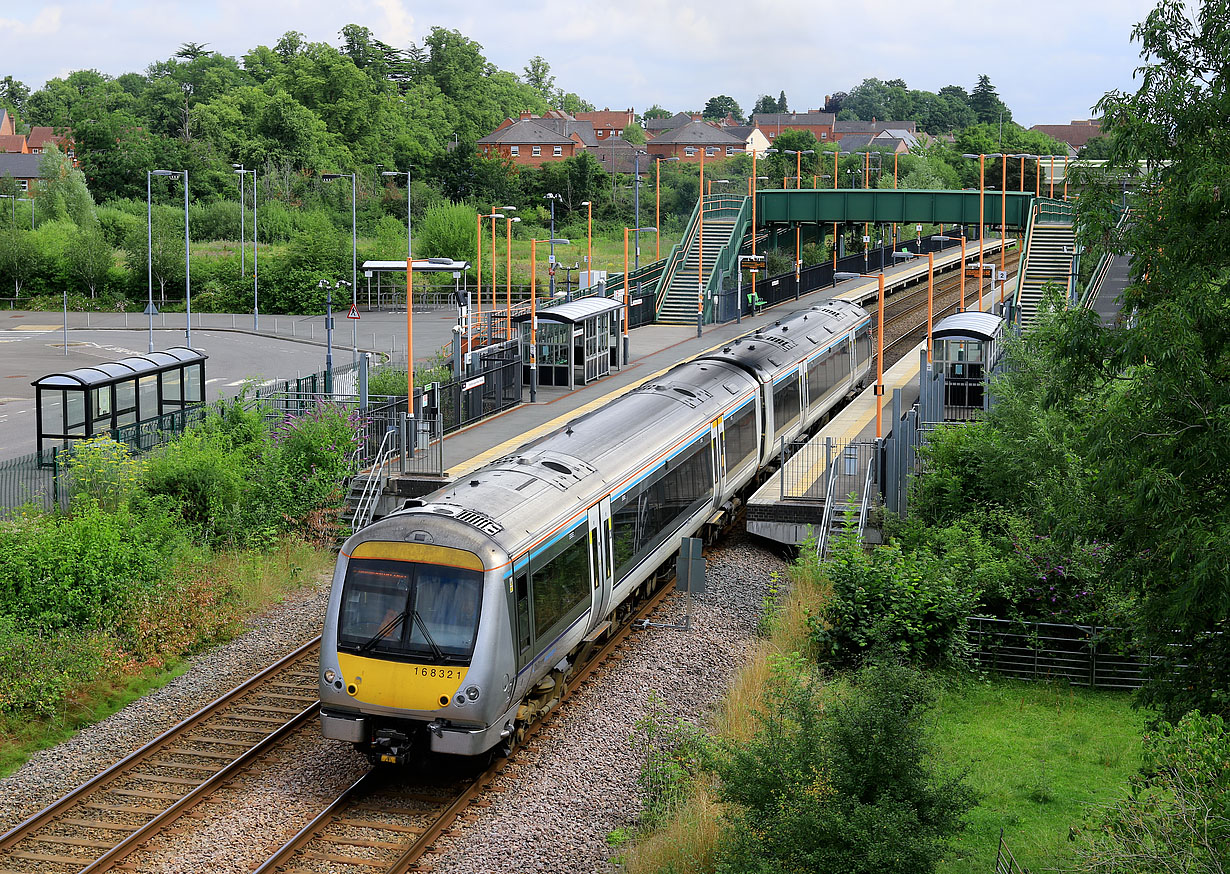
(525, 115)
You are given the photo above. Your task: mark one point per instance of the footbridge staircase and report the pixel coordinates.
(708, 251)
(1049, 255)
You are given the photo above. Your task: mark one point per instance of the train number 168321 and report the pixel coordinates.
(439, 673)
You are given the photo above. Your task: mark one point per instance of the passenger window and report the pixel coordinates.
(523, 611)
(561, 583)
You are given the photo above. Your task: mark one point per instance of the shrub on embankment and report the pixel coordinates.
(160, 554)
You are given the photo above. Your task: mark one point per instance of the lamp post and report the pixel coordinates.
(174, 174)
(508, 223)
(240, 172)
(657, 204)
(627, 295)
(982, 183)
(354, 253)
(478, 315)
(328, 289)
(551, 272)
(589, 239)
(534, 310)
(1003, 228)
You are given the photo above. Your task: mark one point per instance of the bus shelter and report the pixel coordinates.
(966, 348)
(97, 400)
(578, 341)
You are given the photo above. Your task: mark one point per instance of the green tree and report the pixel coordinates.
(18, 258)
(634, 134)
(90, 259)
(538, 77)
(717, 108)
(985, 103)
(64, 193)
(1158, 445)
(656, 111)
(13, 94)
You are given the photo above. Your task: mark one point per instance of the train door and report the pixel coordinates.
(717, 435)
(600, 559)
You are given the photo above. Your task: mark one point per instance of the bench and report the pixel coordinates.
(756, 302)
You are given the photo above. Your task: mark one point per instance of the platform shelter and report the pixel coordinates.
(578, 341)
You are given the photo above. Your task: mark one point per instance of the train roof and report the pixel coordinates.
(587, 457)
(770, 350)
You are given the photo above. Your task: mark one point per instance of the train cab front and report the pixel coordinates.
(398, 671)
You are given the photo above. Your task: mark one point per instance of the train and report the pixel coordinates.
(453, 622)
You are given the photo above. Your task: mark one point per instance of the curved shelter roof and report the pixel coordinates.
(975, 325)
(117, 371)
(575, 311)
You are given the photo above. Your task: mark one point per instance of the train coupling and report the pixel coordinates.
(390, 746)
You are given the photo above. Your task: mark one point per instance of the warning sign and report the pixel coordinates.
(354, 312)
(551, 270)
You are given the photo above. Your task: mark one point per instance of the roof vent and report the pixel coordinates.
(557, 467)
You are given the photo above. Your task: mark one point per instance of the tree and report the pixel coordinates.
(764, 105)
(656, 111)
(90, 258)
(538, 77)
(781, 103)
(985, 103)
(18, 258)
(190, 51)
(717, 108)
(634, 134)
(64, 194)
(13, 94)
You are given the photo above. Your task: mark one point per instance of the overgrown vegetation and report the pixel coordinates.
(156, 556)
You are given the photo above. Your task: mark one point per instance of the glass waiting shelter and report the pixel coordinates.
(578, 341)
(966, 349)
(95, 400)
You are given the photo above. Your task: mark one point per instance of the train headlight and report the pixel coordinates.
(472, 693)
(330, 676)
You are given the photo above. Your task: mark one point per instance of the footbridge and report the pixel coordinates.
(721, 227)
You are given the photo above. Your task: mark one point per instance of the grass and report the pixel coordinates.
(244, 583)
(1037, 754)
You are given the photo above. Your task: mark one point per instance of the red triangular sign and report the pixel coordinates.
(354, 312)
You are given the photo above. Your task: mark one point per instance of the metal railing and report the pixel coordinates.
(375, 481)
(1082, 655)
(826, 523)
(864, 509)
(676, 258)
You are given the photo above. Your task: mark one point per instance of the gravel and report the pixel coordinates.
(564, 795)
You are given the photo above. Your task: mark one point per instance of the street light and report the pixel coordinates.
(174, 174)
(354, 253)
(552, 198)
(405, 173)
(508, 223)
(589, 239)
(534, 309)
(657, 204)
(627, 308)
(256, 317)
(479, 261)
(328, 289)
(798, 163)
(982, 183)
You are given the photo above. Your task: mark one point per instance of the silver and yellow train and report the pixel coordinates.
(454, 621)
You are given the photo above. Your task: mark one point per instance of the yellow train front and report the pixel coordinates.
(414, 598)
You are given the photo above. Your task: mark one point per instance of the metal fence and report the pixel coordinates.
(492, 387)
(33, 481)
(1083, 655)
(813, 465)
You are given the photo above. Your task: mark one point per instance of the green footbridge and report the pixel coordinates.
(689, 279)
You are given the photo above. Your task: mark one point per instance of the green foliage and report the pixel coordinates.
(908, 604)
(446, 230)
(206, 478)
(849, 790)
(1176, 816)
(104, 470)
(63, 193)
(672, 753)
(42, 667)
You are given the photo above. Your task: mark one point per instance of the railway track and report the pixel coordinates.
(95, 826)
(378, 826)
(905, 313)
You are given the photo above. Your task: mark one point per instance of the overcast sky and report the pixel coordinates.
(1049, 60)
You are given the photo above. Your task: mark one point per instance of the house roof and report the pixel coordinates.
(616, 155)
(6, 123)
(773, 119)
(21, 166)
(1075, 134)
(12, 143)
(851, 142)
(526, 132)
(568, 126)
(857, 126)
(699, 133)
(664, 124)
(40, 136)
(617, 119)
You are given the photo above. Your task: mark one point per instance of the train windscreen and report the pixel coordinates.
(409, 610)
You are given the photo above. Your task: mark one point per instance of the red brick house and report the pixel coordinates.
(529, 143)
(1075, 134)
(608, 124)
(690, 141)
(24, 168)
(819, 123)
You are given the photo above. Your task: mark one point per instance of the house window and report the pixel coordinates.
(772, 135)
(23, 184)
(514, 150)
(824, 135)
(619, 133)
(601, 134)
(557, 151)
(537, 151)
(710, 151)
(730, 150)
(689, 151)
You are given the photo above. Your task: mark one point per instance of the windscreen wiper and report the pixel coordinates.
(384, 631)
(435, 650)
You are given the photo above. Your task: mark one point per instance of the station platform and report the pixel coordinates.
(791, 502)
(653, 350)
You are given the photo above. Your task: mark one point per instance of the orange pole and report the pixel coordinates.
(493, 279)
(1037, 177)
(700, 264)
(752, 182)
(1065, 177)
(880, 360)
(410, 334)
(798, 169)
(835, 153)
(657, 210)
(533, 318)
(866, 185)
(589, 243)
(930, 299)
(982, 190)
(894, 188)
(963, 270)
(1003, 227)
(1052, 177)
(1022, 174)
(478, 266)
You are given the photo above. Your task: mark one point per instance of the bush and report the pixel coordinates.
(905, 603)
(847, 791)
(42, 668)
(672, 753)
(205, 478)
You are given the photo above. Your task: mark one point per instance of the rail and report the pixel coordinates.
(728, 256)
(822, 541)
(866, 506)
(1056, 212)
(676, 258)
